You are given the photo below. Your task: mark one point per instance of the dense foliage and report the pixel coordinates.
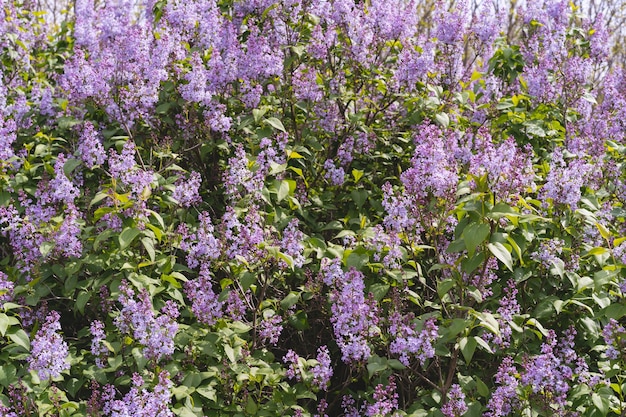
(310, 207)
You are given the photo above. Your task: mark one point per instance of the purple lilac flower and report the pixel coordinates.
(565, 180)
(354, 318)
(323, 371)
(455, 405)
(90, 147)
(270, 329)
(205, 304)
(386, 400)
(235, 306)
(508, 308)
(24, 237)
(549, 251)
(504, 399)
(336, 175)
(186, 191)
(62, 188)
(140, 403)
(48, 353)
(508, 169)
(137, 318)
(202, 246)
(547, 374)
(433, 168)
(6, 289)
(291, 243)
(98, 348)
(293, 372)
(242, 238)
(67, 238)
(408, 343)
(614, 336)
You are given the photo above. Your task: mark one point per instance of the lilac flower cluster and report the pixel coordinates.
(336, 175)
(323, 371)
(202, 246)
(508, 169)
(504, 399)
(354, 318)
(549, 251)
(62, 188)
(6, 289)
(186, 191)
(614, 336)
(294, 371)
(547, 376)
(98, 348)
(509, 307)
(565, 179)
(90, 147)
(270, 329)
(205, 304)
(291, 243)
(123, 168)
(140, 403)
(409, 343)
(386, 400)
(48, 353)
(137, 318)
(455, 405)
(433, 171)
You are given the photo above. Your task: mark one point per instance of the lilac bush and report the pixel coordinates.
(311, 208)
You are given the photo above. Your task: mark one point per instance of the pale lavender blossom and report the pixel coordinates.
(90, 146)
(292, 244)
(270, 329)
(323, 371)
(98, 348)
(455, 405)
(138, 319)
(48, 353)
(205, 304)
(140, 403)
(187, 190)
(6, 289)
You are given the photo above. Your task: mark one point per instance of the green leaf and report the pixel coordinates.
(6, 321)
(127, 236)
(70, 165)
(444, 286)
(379, 290)
(601, 403)
(442, 119)
(501, 252)
(468, 347)
(290, 300)
(473, 235)
(20, 338)
(148, 244)
(283, 190)
(275, 123)
(357, 174)
(603, 231)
